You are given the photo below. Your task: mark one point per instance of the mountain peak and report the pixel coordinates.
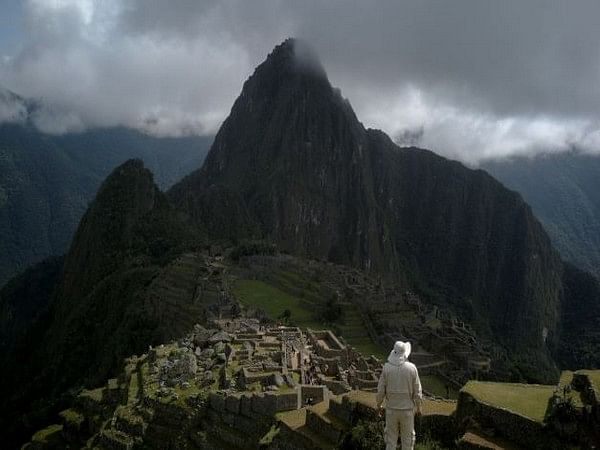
(109, 224)
(292, 60)
(294, 56)
(287, 111)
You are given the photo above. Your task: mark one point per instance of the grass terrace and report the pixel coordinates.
(274, 300)
(437, 386)
(529, 400)
(48, 434)
(442, 407)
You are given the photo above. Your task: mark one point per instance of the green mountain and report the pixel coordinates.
(47, 182)
(109, 299)
(564, 191)
(299, 169)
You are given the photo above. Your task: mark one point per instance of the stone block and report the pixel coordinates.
(316, 393)
(287, 401)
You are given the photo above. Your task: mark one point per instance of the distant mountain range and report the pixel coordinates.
(47, 181)
(564, 191)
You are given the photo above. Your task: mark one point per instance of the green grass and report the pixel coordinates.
(366, 346)
(48, 434)
(95, 394)
(267, 439)
(437, 386)
(72, 417)
(273, 301)
(529, 400)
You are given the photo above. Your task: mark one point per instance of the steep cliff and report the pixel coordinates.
(564, 191)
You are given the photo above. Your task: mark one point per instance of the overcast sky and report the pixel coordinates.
(468, 79)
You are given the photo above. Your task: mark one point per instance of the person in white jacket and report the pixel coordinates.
(400, 387)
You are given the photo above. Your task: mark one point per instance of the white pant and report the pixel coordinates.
(404, 420)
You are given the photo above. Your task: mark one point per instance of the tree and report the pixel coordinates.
(333, 309)
(285, 316)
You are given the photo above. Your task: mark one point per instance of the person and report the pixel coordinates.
(400, 387)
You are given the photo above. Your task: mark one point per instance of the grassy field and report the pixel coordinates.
(273, 301)
(304, 308)
(366, 346)
(529, 400)
(429, 406)
(437, 386)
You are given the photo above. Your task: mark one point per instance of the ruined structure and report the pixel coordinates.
(243, 385)
(238, 375)
(443, 345)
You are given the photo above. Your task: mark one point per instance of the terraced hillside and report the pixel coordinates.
(307, 302)
(318, 295)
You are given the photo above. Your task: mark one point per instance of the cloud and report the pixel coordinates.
(467, 78)
(471, 135)
(12, 108)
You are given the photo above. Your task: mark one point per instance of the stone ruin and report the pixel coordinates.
(237, 374)
(443, 345)
(241, 385)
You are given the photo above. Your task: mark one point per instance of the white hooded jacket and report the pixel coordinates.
(399, 385)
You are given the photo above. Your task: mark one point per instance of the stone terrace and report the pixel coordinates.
(214, 388)
(531, 416)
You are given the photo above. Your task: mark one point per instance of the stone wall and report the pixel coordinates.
(317, 393)
(335, 386)
(514, 427)
(253, 405)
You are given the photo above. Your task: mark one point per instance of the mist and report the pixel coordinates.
(470, 80)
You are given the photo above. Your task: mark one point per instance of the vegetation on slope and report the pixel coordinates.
(564, 192)
(26, 298)
(580, 329)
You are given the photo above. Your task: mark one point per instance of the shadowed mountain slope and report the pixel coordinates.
(106, 303)
(564, 192)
